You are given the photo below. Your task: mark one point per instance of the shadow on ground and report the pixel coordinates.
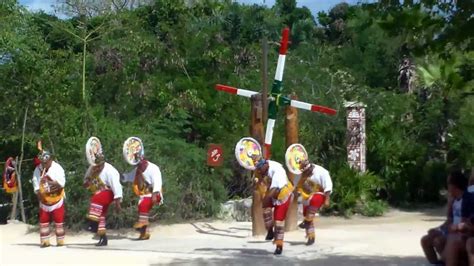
(334, 260)
(208, 229)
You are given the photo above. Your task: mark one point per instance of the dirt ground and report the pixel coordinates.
(389, 240)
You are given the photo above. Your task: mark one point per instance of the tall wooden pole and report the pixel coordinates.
(291, 134)
(19, 171)
(265, 79)
(20, 192)
(15, 203)
(256, 131)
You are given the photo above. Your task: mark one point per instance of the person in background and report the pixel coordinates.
(460, 241)
(434, 242)
(470, 240)
(459, 230)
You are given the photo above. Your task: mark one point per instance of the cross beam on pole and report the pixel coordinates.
(276, 98)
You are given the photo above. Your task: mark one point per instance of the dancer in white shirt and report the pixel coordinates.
(147, 182)
(48, 183)
(315, 187)
(103, 180)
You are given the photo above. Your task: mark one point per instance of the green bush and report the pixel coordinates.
(355, 192)
(374, 208)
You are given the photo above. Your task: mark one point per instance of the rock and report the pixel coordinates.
(236, 210)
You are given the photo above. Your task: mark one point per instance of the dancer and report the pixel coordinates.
(103, 180)
(48, 184)
(277, 197)
(146, 178)
(315, 187)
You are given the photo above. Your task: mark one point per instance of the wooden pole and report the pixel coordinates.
(256, 131)
(291, 134)
(14, 207)
(18, 176)
(22, 207)
(265, 80)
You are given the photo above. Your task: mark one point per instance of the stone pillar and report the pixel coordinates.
(356, 135)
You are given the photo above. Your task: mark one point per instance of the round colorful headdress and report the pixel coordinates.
(295, 155)
(94, 153)
(133, 151)
(248, 153)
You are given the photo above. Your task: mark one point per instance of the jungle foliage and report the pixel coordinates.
(149, 70)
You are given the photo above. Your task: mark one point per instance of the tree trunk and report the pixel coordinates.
(256, 131)
(291, 134)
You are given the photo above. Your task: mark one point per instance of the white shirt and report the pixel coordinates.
(55, 172)
(457, 204)
(278, 175)
(152, 176)
(111, 178)
(321, 177)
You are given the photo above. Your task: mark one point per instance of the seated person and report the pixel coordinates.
(434, 242)
(470, 240)
(459, 230)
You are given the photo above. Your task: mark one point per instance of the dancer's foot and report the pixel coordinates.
(144, 236)
(92, 227)
(60, 242)
(303, 225)
(310, 241)
(45, 244)
(278, 250)
(139, 225)
(270, 235)
(102, 241)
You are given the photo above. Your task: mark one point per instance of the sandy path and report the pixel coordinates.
(389, 240)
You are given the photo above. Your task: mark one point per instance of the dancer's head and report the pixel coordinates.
(261, 165)
(306, 167)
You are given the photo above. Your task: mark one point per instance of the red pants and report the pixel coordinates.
(278, 221)
(315, 203)
(98, 207)
(309, 211)
(144, 206)
(58, 218)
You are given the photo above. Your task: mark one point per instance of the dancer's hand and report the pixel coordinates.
(118, 207)
(461, 227)
(38, 196)
(54, 186)
(453, 228)
(154, 197)
(327, 203)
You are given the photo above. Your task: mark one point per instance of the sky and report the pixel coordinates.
(314, 5)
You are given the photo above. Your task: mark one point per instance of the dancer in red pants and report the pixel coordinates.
(103, 180)
(315, 187)
(146, 178)
(277, 197)
(48, 183)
